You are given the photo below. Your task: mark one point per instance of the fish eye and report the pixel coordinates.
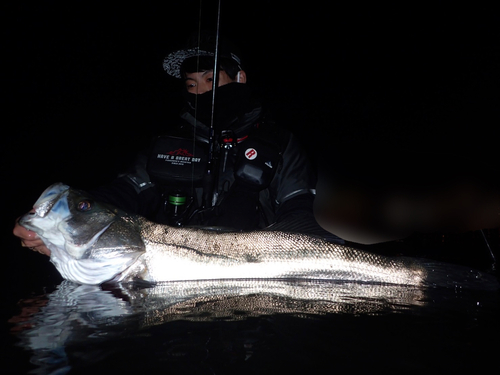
(84, 206)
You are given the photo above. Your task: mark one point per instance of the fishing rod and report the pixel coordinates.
(209, 179)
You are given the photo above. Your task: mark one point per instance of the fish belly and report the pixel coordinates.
(160, 265)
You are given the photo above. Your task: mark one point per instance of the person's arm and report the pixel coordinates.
(295, 193)
(295, 183)
(132, 191)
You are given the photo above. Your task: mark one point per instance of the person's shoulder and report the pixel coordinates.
(273, 131)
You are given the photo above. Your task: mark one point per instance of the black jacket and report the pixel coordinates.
(240, 203)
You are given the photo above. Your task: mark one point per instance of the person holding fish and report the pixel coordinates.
(225, 165)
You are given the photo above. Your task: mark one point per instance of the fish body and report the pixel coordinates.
(92, 243)
(190, 253)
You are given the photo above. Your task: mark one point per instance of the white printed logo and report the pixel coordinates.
(251, 153)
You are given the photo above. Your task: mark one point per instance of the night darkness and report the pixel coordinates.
(391, 101)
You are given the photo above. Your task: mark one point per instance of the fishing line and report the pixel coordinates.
(208, 188)
(196, 96)
(215, 72)
(492, 255)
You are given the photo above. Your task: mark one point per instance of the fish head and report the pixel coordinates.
(90, 242)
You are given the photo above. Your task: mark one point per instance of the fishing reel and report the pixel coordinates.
(176, 207)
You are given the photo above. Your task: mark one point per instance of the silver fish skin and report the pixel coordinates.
(189, 254)
(92, 243)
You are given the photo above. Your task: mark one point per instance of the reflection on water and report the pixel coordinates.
(240, 326)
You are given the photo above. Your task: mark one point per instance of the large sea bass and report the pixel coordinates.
(92, 243)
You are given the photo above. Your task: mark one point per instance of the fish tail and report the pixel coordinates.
(440, 274)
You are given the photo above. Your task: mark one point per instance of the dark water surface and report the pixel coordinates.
(251, 328)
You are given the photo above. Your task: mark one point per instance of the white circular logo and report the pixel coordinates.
(251, 153)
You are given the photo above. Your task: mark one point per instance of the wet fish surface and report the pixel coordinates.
(92, 243)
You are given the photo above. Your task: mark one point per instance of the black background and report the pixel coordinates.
(387, 97)
(394, 101)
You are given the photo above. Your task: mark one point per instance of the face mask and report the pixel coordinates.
(231, 101)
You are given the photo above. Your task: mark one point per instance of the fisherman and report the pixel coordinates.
(225, 165)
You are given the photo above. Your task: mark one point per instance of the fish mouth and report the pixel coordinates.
(25, 220)
(38, 220)
(50, 198)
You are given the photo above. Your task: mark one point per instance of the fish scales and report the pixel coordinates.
(189, 253)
